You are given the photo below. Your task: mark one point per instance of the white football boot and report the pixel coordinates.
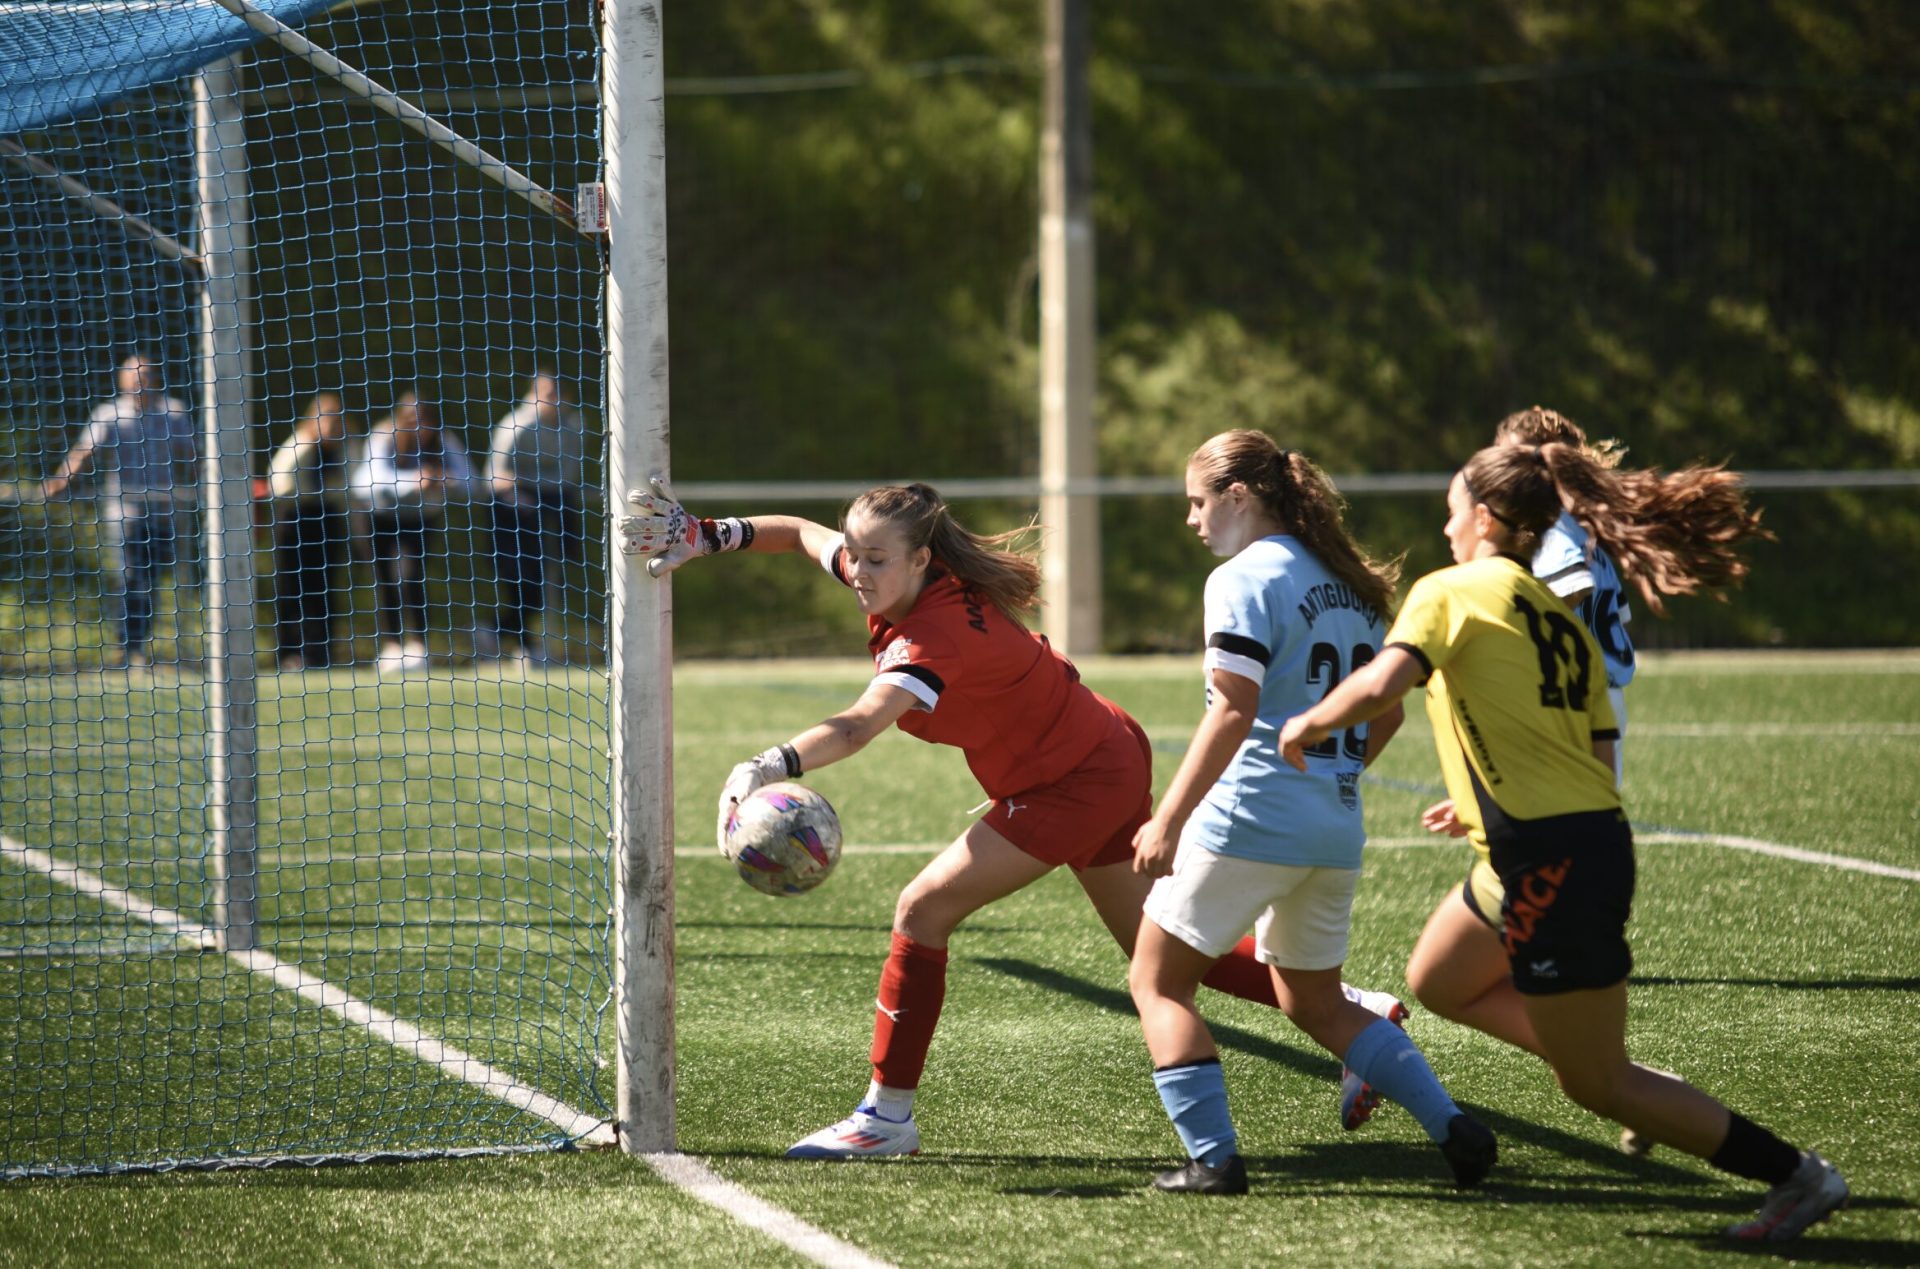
(1359, 1099)
(1814, 1192)
(861, 1135)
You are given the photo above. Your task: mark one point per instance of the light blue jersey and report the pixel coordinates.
(1274, 614)
(1568, 564)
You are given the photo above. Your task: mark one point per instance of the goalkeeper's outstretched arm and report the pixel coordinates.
(661, 527)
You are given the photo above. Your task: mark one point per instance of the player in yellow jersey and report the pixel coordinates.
(1516, 690)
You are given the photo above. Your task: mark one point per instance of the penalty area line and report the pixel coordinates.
(683, 1172)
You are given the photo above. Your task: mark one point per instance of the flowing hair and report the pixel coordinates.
(1537, 425)
(1299, 495)
(1673, 533)
(1009, 579)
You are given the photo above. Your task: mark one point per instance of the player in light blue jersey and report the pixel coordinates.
(1576, 570)
(1241, 840)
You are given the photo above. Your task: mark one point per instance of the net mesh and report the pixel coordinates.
(423, 429)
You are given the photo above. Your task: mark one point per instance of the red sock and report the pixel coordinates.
(912, 988)
(1239, 974)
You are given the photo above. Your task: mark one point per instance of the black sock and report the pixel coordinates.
(1753, 1152)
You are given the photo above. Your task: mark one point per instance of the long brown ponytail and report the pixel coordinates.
(1008, 579)
(1298, 495)
(1675, 533)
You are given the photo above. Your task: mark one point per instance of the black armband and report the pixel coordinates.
(791, 756)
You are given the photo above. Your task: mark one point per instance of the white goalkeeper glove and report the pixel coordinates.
(782, 762)
(662, 528)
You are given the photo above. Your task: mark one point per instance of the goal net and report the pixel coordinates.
(303, 777)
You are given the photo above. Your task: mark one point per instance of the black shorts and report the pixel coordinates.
(1569, 890)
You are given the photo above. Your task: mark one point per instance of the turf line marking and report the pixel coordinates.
(1686, 837)
(590, 1129)
(681, 1171)
(701, 1182)
(1736, 730)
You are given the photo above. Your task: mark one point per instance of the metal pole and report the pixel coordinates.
(100, 205)
(1068, 453)
(396, 107)
(640, 618)
(220, 163)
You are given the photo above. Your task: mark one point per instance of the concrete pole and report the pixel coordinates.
(1069, 456)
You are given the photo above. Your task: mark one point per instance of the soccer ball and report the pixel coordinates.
(783, 839)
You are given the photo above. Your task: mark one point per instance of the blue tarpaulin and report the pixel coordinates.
(62, 58)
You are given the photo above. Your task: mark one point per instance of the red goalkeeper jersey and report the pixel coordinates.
(988, 686)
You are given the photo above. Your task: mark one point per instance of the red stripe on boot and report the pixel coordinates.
(1239, 974)
(913, 986)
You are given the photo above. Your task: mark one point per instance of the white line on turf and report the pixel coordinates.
(1666, 838)
(743, 1205)
(1779, 851)
(1682, 838)
(681, 1171)
(1870, 731)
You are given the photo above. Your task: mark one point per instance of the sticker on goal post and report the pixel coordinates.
(590, 207)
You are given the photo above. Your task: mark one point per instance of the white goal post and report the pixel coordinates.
(640, 611)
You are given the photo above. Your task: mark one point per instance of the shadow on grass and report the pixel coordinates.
(1781, 984)
(1603, 1158)
(1816, 1247)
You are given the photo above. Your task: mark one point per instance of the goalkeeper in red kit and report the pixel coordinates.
(1069, 775)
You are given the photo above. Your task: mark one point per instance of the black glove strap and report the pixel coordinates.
(791, 757)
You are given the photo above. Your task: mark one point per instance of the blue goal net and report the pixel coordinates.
(303, 777)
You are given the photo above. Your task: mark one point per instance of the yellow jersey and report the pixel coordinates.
(1516, 692)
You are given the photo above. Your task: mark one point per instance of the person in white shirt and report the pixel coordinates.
(308, 480)
(535, 468)
(407, 470)
(143, 448)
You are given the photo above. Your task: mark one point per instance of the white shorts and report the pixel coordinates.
(1299, 916)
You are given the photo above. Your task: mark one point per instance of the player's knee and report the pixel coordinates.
(921, 915)
(1143, 981)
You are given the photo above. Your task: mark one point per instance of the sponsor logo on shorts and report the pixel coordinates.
(1529, 901)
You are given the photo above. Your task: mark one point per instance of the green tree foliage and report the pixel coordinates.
(1370, 228)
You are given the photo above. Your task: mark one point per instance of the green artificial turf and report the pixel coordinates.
(434, 847)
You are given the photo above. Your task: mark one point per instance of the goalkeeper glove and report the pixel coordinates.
(662, 528)
(782, 762)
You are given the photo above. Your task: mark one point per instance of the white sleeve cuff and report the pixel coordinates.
(1234, 663)
(830, 559)
(920, 691)
(1569, 582)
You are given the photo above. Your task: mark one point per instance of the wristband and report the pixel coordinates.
(791, 757)
(728, 534)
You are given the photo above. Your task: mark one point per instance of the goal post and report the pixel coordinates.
(226, 375)
(640, 612)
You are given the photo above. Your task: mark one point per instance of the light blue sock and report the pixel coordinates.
(1196, 1101)
(1384, 1057)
